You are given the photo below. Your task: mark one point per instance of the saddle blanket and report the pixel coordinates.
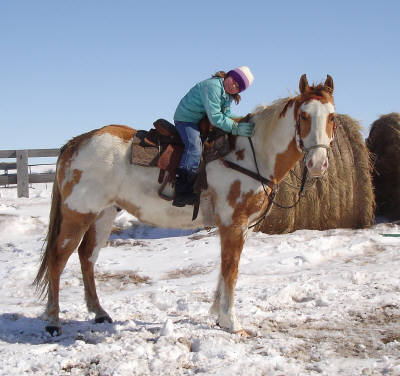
(142, 153)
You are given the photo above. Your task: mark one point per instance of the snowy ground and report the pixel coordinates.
(316, 303)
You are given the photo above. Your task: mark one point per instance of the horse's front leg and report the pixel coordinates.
(232, 240)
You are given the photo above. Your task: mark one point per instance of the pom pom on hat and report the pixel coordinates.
(242, 76)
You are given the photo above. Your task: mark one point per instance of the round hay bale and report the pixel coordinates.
(343, 198)
(383, 143)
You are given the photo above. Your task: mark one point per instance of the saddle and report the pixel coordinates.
(162, 147)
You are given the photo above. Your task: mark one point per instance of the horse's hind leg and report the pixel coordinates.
(72, 228)
(94, 239)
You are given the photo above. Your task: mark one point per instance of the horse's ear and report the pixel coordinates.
(329, 82)
(303, 84)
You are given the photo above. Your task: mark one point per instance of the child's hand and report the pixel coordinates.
(243, 129)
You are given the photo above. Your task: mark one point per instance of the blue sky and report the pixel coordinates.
(70, 66)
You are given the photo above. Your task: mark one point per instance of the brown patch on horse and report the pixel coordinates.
(75, 142)
(232, 241)
(87, 246)
(234, 193)
(250, 204)
(330, 125)
(288, 104)
(286, 160)
(305, 124)
(76, 219)
(70, 184)
(232, 236)
(240, 155)
(122, 131)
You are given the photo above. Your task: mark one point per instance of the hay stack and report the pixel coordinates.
(342, 198)
(384, 144)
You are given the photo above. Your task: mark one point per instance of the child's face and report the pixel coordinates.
(231, 86)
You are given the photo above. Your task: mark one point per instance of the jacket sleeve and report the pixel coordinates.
(211, 99)
(230, 115)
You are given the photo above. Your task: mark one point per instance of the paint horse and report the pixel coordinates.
(95, 178)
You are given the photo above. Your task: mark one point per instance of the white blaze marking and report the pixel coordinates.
(318, 135)
(319, 113)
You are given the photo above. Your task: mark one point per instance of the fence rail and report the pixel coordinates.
(22, 178)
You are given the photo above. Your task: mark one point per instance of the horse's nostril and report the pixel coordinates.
(310, 164)
(325, 165)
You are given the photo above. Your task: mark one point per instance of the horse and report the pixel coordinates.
(95, 179)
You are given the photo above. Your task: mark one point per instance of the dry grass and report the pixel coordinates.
(384, 144)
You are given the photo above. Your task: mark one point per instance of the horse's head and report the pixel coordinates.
(315, 123)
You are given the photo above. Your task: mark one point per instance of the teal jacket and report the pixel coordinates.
(209, 98)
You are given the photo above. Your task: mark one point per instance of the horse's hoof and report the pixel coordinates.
(53, 330)
(100, 320)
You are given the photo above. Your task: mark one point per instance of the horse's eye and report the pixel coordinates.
(303, 117)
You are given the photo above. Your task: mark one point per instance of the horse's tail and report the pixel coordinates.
(42, 278)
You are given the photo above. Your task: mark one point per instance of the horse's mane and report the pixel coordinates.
(266, 116)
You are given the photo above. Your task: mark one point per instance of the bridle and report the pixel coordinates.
(267, 182)
(299, 141)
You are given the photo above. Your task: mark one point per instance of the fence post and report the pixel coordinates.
(22, 173)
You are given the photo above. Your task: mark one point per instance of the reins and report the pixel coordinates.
(265, 182)
(273, 192)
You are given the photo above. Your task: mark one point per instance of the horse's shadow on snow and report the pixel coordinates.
(140, 231)
(16, 328)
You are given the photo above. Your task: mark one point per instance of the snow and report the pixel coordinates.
(315, 303)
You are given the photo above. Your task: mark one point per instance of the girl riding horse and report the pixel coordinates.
(211, 98)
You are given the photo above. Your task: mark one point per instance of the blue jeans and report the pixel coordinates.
(190, 135)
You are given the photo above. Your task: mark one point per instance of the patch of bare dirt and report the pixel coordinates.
(188, 272)
(125, 277)
(363, 335)
(211, 232)
(123, 242)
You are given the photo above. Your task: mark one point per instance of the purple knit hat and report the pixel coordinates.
(242, 76)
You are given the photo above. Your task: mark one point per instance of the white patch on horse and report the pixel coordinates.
(98, 157)
(102, 228)
(274, 139)
(140, 189)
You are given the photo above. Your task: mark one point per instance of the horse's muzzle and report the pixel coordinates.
(317, 163)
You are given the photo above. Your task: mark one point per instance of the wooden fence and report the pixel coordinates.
(22, 178)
